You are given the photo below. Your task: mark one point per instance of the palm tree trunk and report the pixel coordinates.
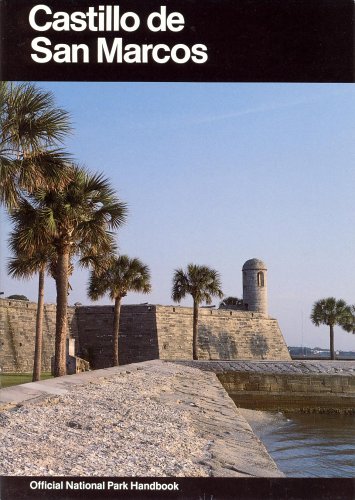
(37, 364)
(60, 368)
(116, 330)
(195, 331)
(332, 351)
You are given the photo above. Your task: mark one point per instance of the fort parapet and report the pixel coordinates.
(146, 332)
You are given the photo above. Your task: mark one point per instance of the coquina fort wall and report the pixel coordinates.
(146, 332)
(17, 334)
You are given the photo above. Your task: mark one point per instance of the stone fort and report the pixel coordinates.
(241, 332)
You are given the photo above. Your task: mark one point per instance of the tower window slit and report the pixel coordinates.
(261, 279)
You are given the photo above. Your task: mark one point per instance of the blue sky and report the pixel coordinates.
(219, 173)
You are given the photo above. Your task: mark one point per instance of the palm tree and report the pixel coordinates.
(31, 127)
(350, 326)
(77, 217)
(24, 267)
(119, 276)
(39, 256)
(331, 312)
(202, 283)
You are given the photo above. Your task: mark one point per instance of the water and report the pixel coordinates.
(312, 445)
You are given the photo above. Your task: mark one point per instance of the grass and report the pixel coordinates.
(8, 379)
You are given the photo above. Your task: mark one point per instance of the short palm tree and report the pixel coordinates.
(202, 283)
(331, 312)
(117, 277)
(31, 128)
(77, 217)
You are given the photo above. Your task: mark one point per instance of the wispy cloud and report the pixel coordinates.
(178, 120)
(276, 106)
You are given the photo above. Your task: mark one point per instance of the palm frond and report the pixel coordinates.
(31, 126)
(330, 311)
(24, 266)
(201, 282)
(119, 276)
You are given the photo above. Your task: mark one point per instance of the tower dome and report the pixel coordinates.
(255, 286)
(254, 264)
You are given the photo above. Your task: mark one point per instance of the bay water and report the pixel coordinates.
(307, 445)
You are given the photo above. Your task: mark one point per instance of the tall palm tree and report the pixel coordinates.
(202, 283)
(24, 267)
(39, 257)
(76, 217)
(120, 276)
(31, 128)
(331, 312)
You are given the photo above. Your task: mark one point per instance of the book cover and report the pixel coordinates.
(225, 128)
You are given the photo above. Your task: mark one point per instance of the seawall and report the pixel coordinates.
(148, 419)
(308, 386)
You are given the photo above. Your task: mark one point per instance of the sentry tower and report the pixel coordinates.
(255, 286)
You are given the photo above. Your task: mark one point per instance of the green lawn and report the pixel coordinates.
(7, 379)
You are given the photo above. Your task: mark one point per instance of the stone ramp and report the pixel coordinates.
(218, 440)
(234, 451)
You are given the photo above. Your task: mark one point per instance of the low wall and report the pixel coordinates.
(320, 393)
(308, 386)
